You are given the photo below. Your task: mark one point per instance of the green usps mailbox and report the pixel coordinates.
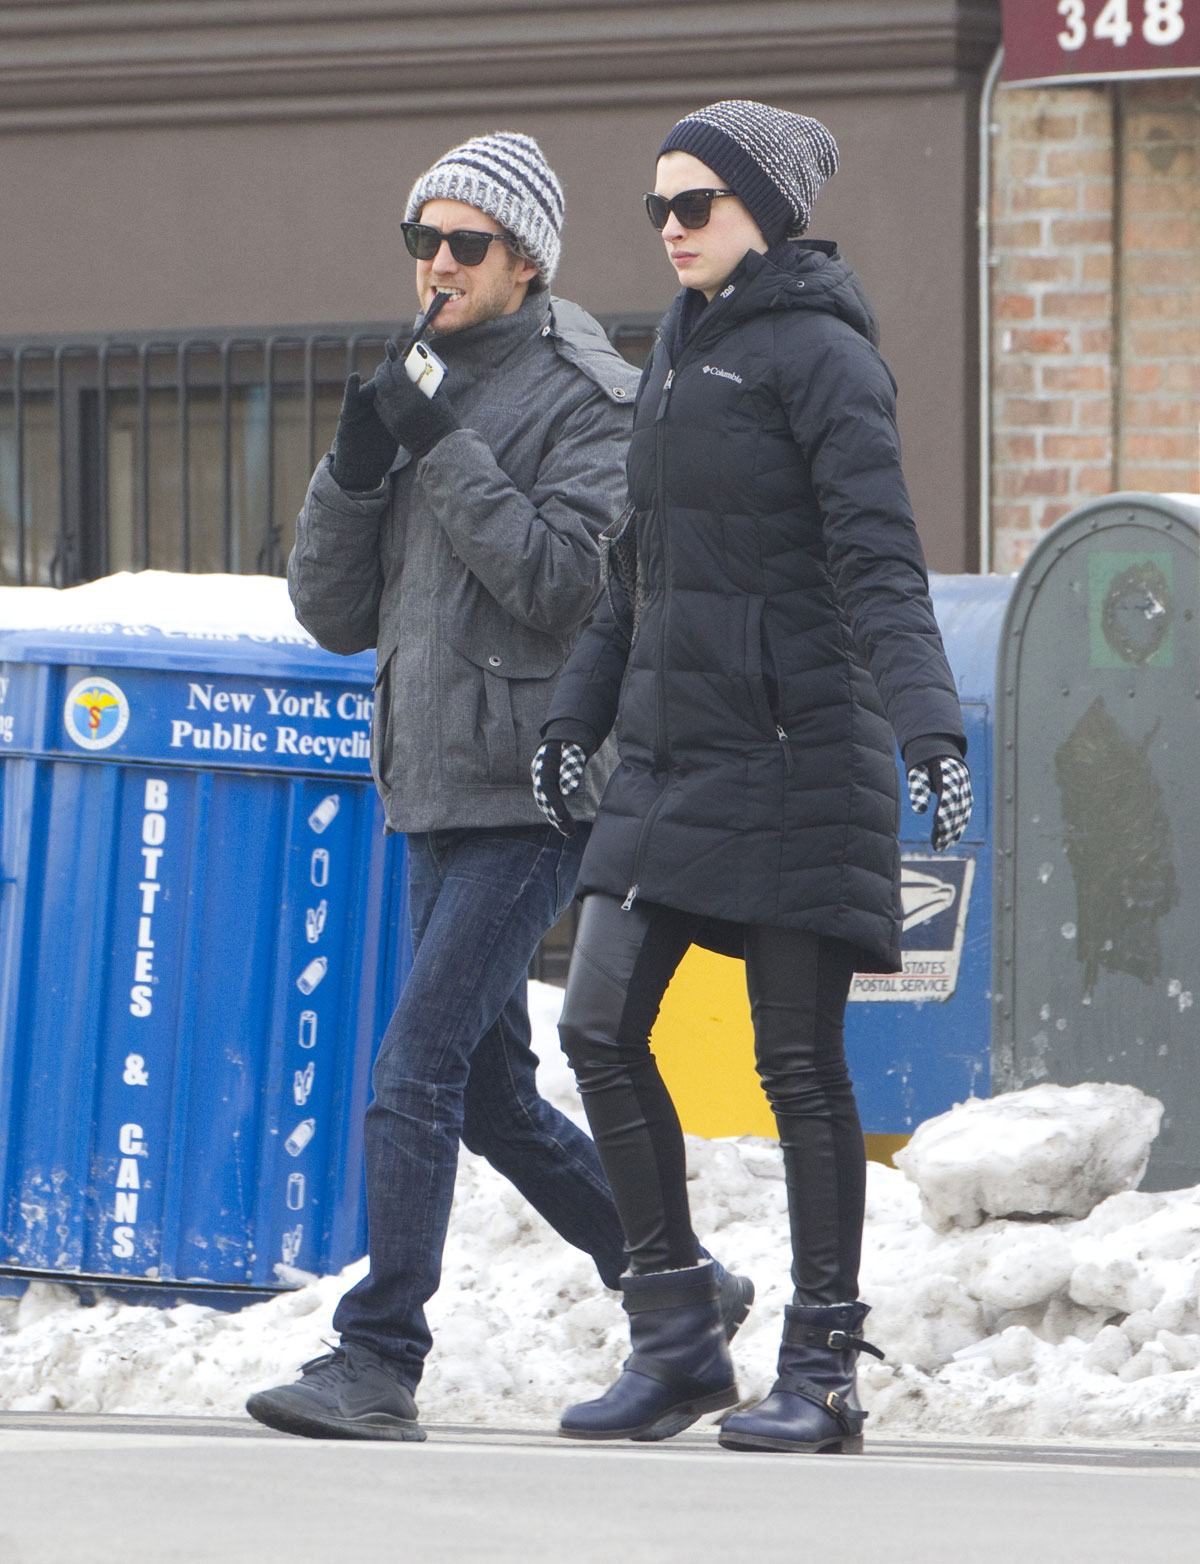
(1096, 956)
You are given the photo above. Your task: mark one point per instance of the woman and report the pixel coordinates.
(765, 640)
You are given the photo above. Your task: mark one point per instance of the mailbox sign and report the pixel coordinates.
(1054, 40)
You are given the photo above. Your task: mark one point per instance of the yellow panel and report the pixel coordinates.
(882, 1148)
(704, 1043)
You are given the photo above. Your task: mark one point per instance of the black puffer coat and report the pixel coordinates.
(784, 638)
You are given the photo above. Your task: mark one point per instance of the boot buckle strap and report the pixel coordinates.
(850, 1422)
(686, 1293)
(674, 1379)
(843, 1341)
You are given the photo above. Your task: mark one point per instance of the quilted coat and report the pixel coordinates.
(767, 634)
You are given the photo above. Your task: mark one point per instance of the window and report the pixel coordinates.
(174, 452)
(165, 455)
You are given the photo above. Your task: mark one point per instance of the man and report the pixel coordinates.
(458, 534)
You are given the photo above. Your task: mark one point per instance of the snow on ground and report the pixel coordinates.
(1021, 1286)
(1003, 1320)
(254, 606)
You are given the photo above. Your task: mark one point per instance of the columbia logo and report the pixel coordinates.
(725, 374)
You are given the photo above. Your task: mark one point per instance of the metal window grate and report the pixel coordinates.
(174, 451)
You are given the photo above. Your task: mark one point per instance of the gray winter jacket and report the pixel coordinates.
(473, 570)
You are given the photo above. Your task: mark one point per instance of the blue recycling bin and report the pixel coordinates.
(202, 935)
(919, 1040)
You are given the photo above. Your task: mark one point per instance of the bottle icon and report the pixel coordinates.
(312, 974)
(295, 1192)
(308, 1029)
(324, 812)
(300, 1137)
(292, 1239)
(319, 872)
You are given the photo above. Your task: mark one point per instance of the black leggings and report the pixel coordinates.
(798, 985)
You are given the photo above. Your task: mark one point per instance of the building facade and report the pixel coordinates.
(1095, 299)
(200, 228)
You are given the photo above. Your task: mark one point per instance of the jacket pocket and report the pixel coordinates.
(761, 674)
(381, 725)
(510, 678)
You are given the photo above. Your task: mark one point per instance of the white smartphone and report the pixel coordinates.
(425, 368)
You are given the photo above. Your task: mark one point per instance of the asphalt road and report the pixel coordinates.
(122, 1490)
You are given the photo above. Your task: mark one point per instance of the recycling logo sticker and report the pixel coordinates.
(96, 713)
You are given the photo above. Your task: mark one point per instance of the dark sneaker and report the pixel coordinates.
(346, 1394)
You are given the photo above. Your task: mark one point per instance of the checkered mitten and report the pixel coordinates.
(557, 771)
(952, 784)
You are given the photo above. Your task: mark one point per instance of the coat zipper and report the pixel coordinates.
(639, 851)
(788, 762)
(773, 705)
(662, 753)
(661, 747)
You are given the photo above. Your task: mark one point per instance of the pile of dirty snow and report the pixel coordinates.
(1021, 1287)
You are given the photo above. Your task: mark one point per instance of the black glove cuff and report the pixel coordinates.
(356, 477)
(933, 746)
(571, 731)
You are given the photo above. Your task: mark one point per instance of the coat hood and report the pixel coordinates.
(798, 274)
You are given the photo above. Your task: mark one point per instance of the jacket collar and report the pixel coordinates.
(797, 274)
(478, 350)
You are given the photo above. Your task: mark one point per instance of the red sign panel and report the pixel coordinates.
(1048, 40)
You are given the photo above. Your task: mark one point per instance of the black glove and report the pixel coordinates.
(951, 781)
(557, 771)
(417, 421)
(363, 448)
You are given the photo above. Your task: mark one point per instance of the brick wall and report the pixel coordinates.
(1052, 311)
(1096, 343)
(1159, 412)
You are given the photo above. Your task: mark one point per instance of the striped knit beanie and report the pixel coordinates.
(506, 176)
(774, 161)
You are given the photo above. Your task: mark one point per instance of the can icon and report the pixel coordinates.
(308, 1029)
(312, 974)
(302, 1084)
(324, 812)
(314, 921)
(300, 1137)
(295, 1192)
(319, 873)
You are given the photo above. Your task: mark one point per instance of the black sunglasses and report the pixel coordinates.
(693, 208)
(468, 246)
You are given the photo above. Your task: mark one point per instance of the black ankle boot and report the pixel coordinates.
(814, 1403)
(679, 1368)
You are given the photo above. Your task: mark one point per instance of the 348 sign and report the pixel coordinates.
(1047, 40)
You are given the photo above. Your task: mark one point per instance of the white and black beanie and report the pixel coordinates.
(506, 176)
(774, 161)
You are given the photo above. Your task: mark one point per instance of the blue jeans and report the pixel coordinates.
(455, 1065)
